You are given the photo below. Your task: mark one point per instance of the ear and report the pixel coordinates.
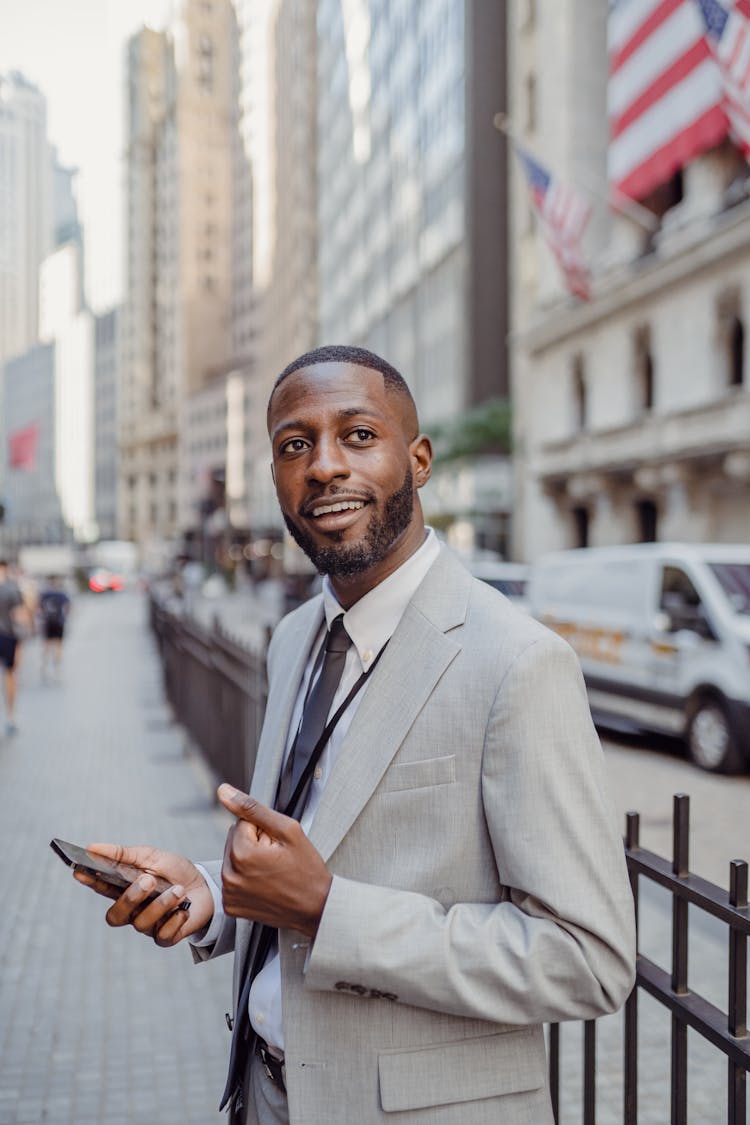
(420, 451)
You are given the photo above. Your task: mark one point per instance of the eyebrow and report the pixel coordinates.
(347, 412)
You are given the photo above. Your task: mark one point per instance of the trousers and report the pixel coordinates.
(264, 1101)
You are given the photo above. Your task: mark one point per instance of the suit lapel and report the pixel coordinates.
(417, 655)
(293, 652)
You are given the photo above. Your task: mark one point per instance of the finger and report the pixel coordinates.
(137, 856)
(125, 909)
(97, 885)
(245, 807)
(150, 918)
(170, 931)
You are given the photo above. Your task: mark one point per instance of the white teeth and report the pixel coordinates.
(343, 506)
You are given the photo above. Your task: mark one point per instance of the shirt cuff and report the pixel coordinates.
(202, 939)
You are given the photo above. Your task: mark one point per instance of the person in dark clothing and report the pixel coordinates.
(11, 602)
(54, 606)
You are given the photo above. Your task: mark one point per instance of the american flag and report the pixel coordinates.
(728, 34)
(665, 93)
(564, 215)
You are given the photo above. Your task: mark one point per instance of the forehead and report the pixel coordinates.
(329, 389)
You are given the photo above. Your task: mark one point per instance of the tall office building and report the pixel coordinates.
(412, 214)
(177, 310)
(48, 414)
(26, 209)
(106, 452)
(279, 320)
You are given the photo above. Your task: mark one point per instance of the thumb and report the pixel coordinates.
(245, 807)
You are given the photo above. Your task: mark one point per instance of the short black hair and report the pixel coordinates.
(345, 353)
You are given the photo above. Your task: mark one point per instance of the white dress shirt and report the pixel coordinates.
(370, 623)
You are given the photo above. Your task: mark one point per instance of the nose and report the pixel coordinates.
(328, 461)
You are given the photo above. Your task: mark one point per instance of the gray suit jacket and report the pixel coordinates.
(479, 882)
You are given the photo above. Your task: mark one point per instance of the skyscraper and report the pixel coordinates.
(412, 207)
(177, 310)
(26, 209)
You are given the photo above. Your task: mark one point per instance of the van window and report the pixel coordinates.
(734, 579)
(676, 584)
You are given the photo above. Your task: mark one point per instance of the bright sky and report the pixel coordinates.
(73, 50)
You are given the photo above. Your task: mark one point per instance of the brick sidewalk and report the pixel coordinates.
(99, 1025)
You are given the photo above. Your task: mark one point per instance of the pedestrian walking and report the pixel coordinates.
(13, 616)
(428, 868)
(54, 607)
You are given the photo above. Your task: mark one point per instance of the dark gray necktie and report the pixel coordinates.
(314, 716)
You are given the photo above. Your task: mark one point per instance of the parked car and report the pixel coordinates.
(662, 631)
(105, 581)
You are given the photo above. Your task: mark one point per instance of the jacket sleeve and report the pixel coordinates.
(561, 942)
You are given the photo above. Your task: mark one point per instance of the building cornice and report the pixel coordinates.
(726, 237)
(704, 433)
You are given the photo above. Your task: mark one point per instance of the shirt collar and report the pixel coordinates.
(372, 620)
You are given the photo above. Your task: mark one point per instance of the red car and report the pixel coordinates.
(104, 581)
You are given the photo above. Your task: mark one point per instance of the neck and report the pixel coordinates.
(350, 588)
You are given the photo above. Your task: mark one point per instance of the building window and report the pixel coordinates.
(647, 515)
(644, 369)
(731, 336)
(580, 403)
(736, 351)
(580, 518)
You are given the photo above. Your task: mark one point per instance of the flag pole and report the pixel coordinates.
(622, 203)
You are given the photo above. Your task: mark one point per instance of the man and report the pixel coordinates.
(457, 878)
(11, 610)
(54, 607)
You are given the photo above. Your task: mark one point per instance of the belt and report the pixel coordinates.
(274, 1067)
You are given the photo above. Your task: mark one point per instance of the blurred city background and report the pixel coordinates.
(511, 213)
(539, 212)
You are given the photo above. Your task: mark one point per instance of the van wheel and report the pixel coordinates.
(711, 742)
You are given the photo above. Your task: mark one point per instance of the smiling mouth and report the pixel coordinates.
(338, 506)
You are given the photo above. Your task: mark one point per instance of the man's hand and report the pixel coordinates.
(156, 920)
(271, 871)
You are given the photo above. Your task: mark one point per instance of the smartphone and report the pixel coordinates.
(117, 875)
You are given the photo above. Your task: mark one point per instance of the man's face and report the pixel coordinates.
(347, 461)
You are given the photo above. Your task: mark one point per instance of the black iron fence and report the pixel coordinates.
(217, 689)
(725, 1030)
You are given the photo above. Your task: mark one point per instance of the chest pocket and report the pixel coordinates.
(419, 775)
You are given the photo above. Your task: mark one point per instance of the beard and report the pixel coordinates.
(344, 560)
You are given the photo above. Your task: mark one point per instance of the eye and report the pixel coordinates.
(361, 435)
(293, 445)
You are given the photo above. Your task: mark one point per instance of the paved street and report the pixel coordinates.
(99, 1025)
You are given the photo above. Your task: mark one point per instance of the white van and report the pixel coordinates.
(662, 631)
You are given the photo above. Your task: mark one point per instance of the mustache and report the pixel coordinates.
(332, 496)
